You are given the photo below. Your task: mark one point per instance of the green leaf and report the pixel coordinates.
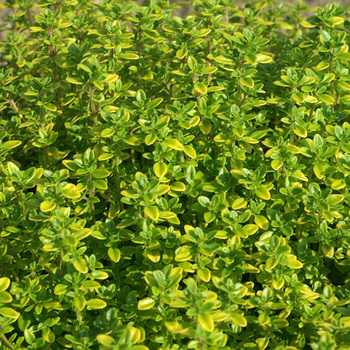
(318, 142)
(100, 173)
(70, 164)
(101, 185)
(160, 169)
(14, 170)
(206, 321)
(146, 304)
(280, 323)
(205, 126)
(29, 336)
(131, 140)
(344, 85)
(209, 217)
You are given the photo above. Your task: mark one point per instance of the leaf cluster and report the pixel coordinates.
(174, 183)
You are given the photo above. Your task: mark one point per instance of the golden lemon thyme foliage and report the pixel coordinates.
(174, 183)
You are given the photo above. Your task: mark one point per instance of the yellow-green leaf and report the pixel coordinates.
(344, 85)
(248, 82)
(70, 191)
(190, 151)
(263, 58)
(298, 96)
(206, 321)
(300, 131)
(74, 81)
(5, 297)
(101, 173)
(146, 303)
(160, 169)
(129, 56)
(150, 139)
(114, 254)
(261, 221)
(80, 265)
(105, 340)
(249, 229)
(46, 206)
(201, 88)
(161, 189)
(238, 319)
(334, 199)
(204, 274)
(276, 164)
(239, 203)
(152, 212)
(79, 302)
(174, 144)
(4, 283)
(311, 99)
(60, 289)
(180, 54)
(131, 140)
(205, 126)
(178, 186)
(319, 171)
(11, 144)
(94, 304)
(327, 99)
(262, 192)
(293, 263)
(8, 312)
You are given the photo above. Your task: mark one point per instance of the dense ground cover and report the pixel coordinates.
(172, 183)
